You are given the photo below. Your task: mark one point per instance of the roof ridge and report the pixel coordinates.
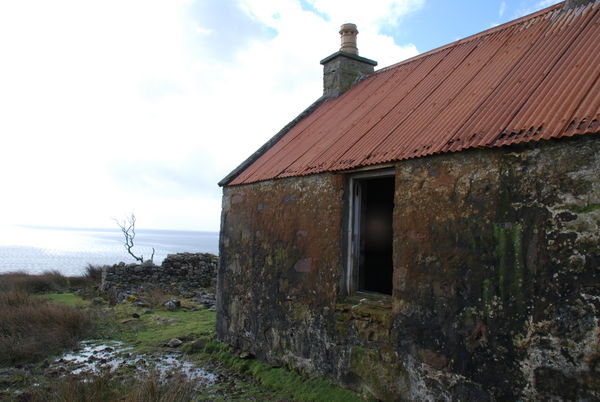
(478, 35)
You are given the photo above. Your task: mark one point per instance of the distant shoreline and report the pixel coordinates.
(108, 229)
(70, 250)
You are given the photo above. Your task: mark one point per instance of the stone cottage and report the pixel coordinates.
(431, 230)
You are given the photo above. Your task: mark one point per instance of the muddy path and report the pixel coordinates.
(96, 358)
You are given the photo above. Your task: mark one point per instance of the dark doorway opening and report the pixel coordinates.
(376, 234)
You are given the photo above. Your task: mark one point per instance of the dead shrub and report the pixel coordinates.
(94, 273)
(89, 282)
(154, 296)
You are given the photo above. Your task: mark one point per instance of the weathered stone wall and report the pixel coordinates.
(342, 70)
(496, 277)
(278, 277)
(496, 267)
(181, 273)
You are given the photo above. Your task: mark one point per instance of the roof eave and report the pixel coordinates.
(266, 146)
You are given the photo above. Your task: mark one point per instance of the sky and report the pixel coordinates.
(113, 107)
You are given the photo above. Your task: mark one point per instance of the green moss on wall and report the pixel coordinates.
(511, 265)
(374, 370)
(581, 209)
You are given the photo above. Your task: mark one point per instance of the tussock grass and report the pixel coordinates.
(49, 281)
(93, 273)
(90, 279)
(110, 387)
(177, 388)
(32, 328)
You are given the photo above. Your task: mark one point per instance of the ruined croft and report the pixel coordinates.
(492, 288)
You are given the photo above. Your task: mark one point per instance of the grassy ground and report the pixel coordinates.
(147, 331)
(258, 381)
(31, 327)
(110, 387)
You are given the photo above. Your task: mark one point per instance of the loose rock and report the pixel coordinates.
(172, 305)
(173, 343)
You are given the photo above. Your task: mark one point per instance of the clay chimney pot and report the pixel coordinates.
(348, 34)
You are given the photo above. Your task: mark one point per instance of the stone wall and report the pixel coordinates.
(278, 277)
(182, 273)
(497, 268)
(496, 277)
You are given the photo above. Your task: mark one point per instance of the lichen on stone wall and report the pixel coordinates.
(535, 258)
(496, 285)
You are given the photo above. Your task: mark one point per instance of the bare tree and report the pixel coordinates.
(128, 228)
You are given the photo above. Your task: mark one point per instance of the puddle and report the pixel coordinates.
(93, 357)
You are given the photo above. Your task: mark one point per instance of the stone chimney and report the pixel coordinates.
(344, 68)
(569, 4)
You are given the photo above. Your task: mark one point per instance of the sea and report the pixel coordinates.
(35, 249)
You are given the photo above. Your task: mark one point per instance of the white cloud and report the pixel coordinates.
(111, 106)
(545, 3)
(502, 9)
(525, 10)
(375, 13)
(304, 36)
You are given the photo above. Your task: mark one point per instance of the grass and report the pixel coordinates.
(50, 281)
(154, 296)
(288, 384)
(109, 386)
(69, 299)
(32, 328)
(151, 331)
(88, 281)
(582, 209)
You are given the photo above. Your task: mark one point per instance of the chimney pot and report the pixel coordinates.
(348, 34)
(345, 67)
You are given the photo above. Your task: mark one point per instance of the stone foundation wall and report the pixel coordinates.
(496, 292)
(180, 273)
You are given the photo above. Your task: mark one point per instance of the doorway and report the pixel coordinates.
(371, 233)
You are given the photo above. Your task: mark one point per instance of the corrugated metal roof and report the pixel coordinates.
(534, 78)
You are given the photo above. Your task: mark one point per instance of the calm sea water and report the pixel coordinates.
(69, 251)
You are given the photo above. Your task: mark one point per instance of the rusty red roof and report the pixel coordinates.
(534, 78)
